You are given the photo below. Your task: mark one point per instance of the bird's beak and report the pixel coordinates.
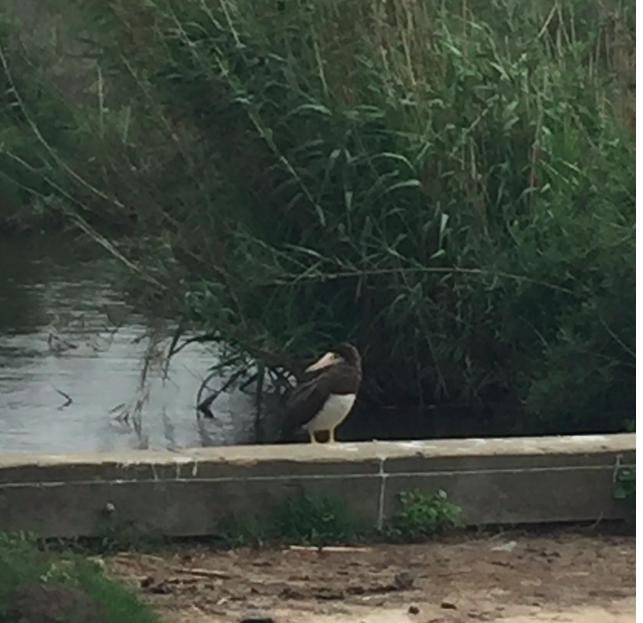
(327, 360)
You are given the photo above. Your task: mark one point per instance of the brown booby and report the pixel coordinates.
(323, 402)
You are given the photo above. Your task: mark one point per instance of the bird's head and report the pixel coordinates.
(342, 353)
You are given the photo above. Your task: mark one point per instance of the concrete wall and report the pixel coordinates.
(495, 481)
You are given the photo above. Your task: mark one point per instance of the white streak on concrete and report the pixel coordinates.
(585, 438)
(412, 445)
(380, 507)
(349, 447)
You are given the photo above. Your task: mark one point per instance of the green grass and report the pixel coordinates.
(22, 562)
(420, 516)
(299, 520)
(626, 484)
(314, 521)
(308, 520)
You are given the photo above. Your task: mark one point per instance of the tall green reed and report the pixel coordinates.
(450, 185)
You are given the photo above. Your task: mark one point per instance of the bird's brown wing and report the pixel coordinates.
(304, 403)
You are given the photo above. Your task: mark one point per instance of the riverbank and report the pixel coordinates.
(565, 575)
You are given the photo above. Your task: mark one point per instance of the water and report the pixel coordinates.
(55, 399)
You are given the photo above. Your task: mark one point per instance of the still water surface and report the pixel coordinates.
(57, 399)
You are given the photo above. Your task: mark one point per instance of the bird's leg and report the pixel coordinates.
(331, 435)
(312, 436)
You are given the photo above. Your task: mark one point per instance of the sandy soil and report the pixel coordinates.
(515, 577)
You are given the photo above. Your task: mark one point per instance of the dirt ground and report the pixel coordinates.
(567, 577)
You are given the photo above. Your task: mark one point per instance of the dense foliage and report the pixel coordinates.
(451, 186)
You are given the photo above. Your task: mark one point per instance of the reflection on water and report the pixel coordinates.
(64, 372)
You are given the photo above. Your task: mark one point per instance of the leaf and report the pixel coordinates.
(348, 199)
(405, 184)
(318, 108)
(396, 157)
(444, 219)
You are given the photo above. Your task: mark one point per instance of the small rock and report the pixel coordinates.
(162, 588)
(502, 563)
(147, 581)
(330, 594)
(413, 609)
(480, 616)
(257, 617)
(289, 593)
(507, 547)
(404, 580)
(356, 590)
(447, 604)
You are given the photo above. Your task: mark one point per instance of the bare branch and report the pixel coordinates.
(67, 397)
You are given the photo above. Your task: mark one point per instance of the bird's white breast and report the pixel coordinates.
(335, 409)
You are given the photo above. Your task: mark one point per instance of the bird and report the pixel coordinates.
(323, 402)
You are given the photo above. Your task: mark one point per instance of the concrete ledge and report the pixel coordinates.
(187, 493)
